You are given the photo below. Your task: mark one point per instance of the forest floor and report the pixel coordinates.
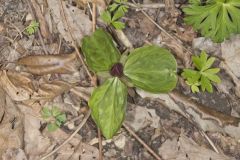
(179, 125)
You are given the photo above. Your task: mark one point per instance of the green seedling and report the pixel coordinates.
(32, 28)
(215, 19)
(150, 68)
(114, 13)
(54, 117)
(203, 75)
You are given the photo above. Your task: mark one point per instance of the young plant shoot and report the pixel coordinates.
(203, 75)
(150, 68)
(215, 19)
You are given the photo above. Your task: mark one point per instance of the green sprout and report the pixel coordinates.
(54, 117)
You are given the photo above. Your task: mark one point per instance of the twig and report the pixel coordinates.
(69, 138)
(209, 141)
(141, 141)
(100, 144)
(74, 45)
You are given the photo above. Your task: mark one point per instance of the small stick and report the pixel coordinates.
(100, 144)
(141, 141)
(69, 138)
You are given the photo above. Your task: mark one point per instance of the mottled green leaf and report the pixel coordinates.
(99, 51)
(152, 68)
(108, 104)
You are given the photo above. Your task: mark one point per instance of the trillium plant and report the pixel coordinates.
(150, 68)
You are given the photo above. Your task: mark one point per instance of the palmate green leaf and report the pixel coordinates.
(152, 68)
(106, 17)
(118, 25)
(99, 51)
(108, 105)
(218, 19)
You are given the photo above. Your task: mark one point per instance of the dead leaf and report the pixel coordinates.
(14, 154)
(51, 90)
(185, 148)
(35, 142)
(77, 20)
(18, 86)
(49, 64)
(11, 127)
(206, 118)
(140, 117)
(231, 54)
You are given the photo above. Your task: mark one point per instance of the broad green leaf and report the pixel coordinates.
(55, 111)
(61, 118)
(212, 77)
(152, 68)
(106, 17)
(108, 105)
(113, 7)
(46, 113)
(52, 127)
(206, 84)
(191, 74)
(208, 64)
(118, 25)
(217, 19)
(194, 88)
(120, 12)
(212, 70)
(99, 51)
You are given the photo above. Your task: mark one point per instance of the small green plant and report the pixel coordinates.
(114, 12)
(54, 117)
(150, 68)
(32, 27)
(215, 19)
(203, 75)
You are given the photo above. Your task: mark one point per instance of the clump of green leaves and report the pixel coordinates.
(32, 27)
(216, 19)
(114, 13)
(203, 75)
(150, 68)
(54, 117)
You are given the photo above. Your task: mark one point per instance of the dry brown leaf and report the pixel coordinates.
(206, 118)
(77, 21)
(51, 90)
(11, 126)
(185, 148)
(49, 64)
(18, 86)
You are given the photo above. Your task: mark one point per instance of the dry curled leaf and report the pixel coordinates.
(51, 90)
(18, 86)
(49, 64)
